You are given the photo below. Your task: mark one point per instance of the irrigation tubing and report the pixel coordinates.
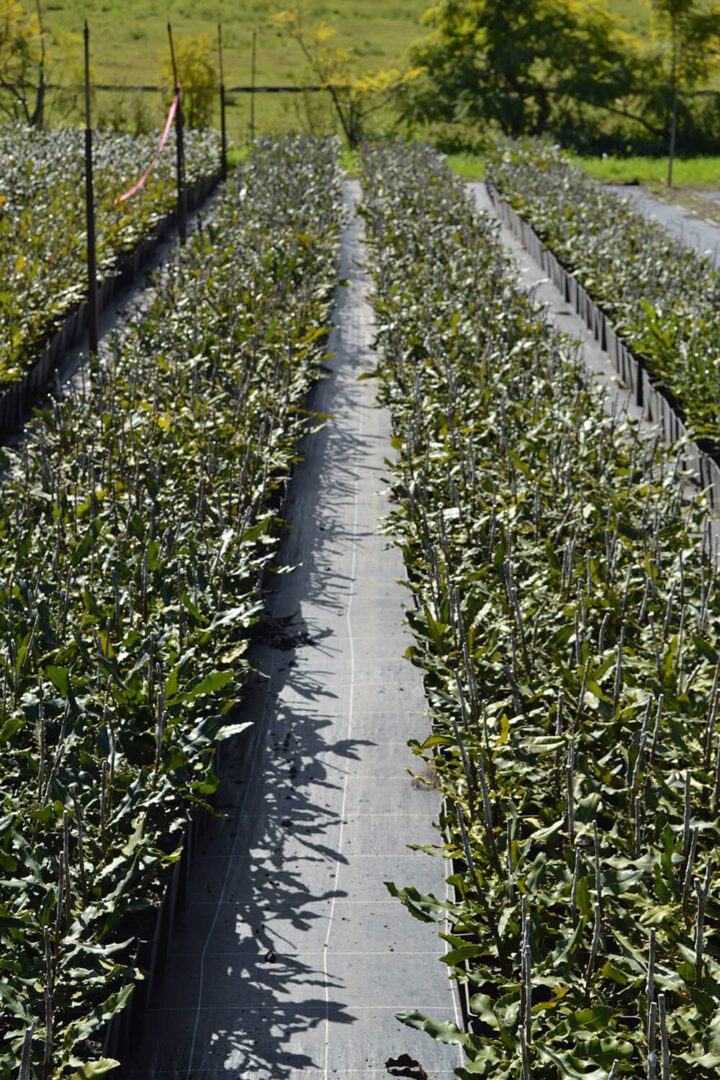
(144, 88)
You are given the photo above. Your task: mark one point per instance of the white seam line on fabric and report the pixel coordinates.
(351, 696)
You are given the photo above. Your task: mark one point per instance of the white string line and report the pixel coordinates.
(303, 826)
(311, 1074)
(291, 1008)
(230, 867)
(351, 696)
(271, 866)
(288, 957)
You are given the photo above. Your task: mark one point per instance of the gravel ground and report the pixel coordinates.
(694, 231)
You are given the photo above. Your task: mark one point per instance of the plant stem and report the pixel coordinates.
(652, 1040)
(664, 1042)
(570, 790)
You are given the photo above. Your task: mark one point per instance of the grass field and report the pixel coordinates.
(636, 14)
(468, 166)
(689, 173)
(697, 172)
(129, 44)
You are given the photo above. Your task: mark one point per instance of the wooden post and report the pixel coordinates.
(90, 211)
(223, 125)
(252, 84)
(179, 149)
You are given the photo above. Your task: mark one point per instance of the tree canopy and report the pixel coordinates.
(526, 64)
(198, 77)
(355, 97)
(21, 57)
(513, 61)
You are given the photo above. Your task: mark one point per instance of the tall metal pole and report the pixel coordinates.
(179, 148)
(674, 83)
(38, 118)
(223, 125)
(252, 81)
(673, 139)
(90, 211)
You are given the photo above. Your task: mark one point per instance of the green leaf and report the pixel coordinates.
(96, 1068)
(459, 955)
(209, 685)
(229, 730)
(136, 835)
(436, 740)
(253, 533)
(445, 1032)
(611, 971)
(548, 831)
(482, 1006)
(703, 646)
(231, 616)
(60, 678)
(597, 1018)
(548, 744)
(421, 906)
(11, 727)
(573, 1066)
(436, 629)
(584, 904)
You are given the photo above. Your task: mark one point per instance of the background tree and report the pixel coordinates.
(198, 77)
(689, 36)
(355, 98)
(22, 63)
(517, 62)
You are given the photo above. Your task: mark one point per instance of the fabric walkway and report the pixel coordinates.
(292, 958)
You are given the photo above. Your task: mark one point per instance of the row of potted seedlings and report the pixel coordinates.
(43, 226)
(136, 522)
(565, 615)
(661, 297)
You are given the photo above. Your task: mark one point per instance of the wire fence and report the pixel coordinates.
(145, 88)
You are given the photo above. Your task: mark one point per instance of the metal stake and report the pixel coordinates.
(90, 211)
(223, 124)
(179, 148)
(253, 74)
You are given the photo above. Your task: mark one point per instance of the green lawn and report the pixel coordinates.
(688, 173)
(636, 14)
(697, 172)
(467, 166)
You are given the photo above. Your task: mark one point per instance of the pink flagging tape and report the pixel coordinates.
(168, 124)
